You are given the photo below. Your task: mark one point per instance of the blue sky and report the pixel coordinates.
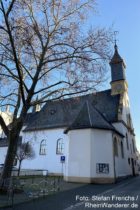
(124, 15)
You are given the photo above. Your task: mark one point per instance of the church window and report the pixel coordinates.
(131, 148)
(129, 161)
(133, 145)
(115, 147)
(122, 150)
(127, 141)
(60, 146)
(43, 148)
(129, 120)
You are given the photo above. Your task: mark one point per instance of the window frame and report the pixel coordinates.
(115, 146)
(122, 150)
(127, 143)
(60, 146)
(43, 147)
(133, 145)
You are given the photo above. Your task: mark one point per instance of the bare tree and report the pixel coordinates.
(45, 54)
(24, 152)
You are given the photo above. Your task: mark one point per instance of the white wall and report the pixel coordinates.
(50, 161)
(79, 153)
(87, 147)
(101, 152)
(123, 168)
(3, 151)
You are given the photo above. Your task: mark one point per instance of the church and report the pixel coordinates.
(87, 139)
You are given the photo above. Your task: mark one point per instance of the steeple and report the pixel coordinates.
(117, 66)
(118, 78)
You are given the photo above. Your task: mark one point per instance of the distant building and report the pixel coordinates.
(88, 138)
(7, 116)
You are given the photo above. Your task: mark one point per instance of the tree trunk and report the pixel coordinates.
(9, 160)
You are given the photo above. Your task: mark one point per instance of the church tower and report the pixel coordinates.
(118, 78)
(119, 86)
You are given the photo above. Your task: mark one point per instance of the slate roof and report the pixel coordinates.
(116, 57)
(117, 66)
(90, 117)
(103, 109)
(30, 118)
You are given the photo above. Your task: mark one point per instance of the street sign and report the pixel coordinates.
(62, 159)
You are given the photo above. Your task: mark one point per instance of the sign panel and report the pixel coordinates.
(102, 168)
(62, 159)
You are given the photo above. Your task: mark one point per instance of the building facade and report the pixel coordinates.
(88, 138)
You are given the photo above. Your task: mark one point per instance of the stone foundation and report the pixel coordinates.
(97, 180)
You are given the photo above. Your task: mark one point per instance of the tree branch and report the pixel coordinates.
(10, 7)
(14, 54)
(58, 83)
(17, 104)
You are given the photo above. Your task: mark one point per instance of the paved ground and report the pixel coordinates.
(125, 193)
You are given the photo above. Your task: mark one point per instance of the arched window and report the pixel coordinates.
(127, 144)
(115, 147)
(131, 148)
(43, 148)
(122, 151)
(133, 145)
(60, 146)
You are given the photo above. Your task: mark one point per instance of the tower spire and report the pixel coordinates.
(118, 78)
(115, 38)
(116, 57)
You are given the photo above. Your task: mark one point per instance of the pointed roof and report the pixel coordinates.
(90, 117)
(116, 57)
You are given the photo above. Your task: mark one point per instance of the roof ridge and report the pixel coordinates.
(89, 112)
(108, 121)
(103, 117)
(85, 105)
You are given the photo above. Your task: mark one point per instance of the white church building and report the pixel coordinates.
(87, 139)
